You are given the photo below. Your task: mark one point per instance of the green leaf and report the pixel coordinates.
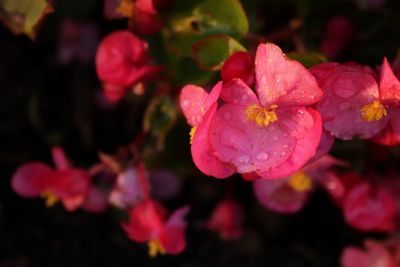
(308, 59)
(159, 118)
(24, 16)
(211, 52)
(188, 26)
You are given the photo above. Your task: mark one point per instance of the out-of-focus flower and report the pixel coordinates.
(148, 222)
(164, 184)
(121, 63)
(77, 41)
(374, 254)
(66, 184)
(239, 65)
(227, 219)
(289, 195)
(338, 33)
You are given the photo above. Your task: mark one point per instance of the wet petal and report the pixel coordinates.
(238, 93)
(283, 81)
(203, 154)
(305, 148)
(246, 145)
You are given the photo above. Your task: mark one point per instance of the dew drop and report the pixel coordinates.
(262, 156)
(198, 103)
(244, 98)
(283, 153)
(275, 138)
(285, 146)
(185, 103)
(244, 159)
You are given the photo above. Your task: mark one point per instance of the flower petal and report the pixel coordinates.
(389, 85)
(30, 179)
(346, 91)
(276, 195)
(283, 81)
(246, 145)
(202, 152)
(305, 148)
(195, 102)
(238, 93)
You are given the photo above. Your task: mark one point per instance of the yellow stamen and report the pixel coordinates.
(261, 116)
(51, 198)
(300, 182)
(155, 248)
(192, 132)
(125, 8)
(373, 111)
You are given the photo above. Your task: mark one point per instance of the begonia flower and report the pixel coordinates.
(227, 219)
(148, 222)
(272, 133)
(66, 184)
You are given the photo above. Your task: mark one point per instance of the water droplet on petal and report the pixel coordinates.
(244, 98)
(283, 153)
(344, 106)
(285, 146)
(199, 118)
(276, 138)
(198, 103)
(262, 156)
(244, 159)
(185, 103)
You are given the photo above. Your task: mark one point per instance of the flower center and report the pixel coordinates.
(51, 198)
(300, 182)
(155, 248)
(260, 115)
(373, 111)
(192, 133)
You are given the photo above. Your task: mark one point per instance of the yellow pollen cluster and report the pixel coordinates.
(373, 111)
(300, 182)
(155, 248)
(192, 132)
(260, 115)
(125, 8)
(51, 198)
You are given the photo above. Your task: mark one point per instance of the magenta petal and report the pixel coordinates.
(390, 135)
(276, 195)
(238, 93)
(389, 85)
(195, 102)
(60, 158)
(246, 145)
(304, 149)
(283, 81)
(325, 145)
(202, 152)
(30, 179)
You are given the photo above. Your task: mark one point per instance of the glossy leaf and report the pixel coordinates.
(211, 52)
(24, 16)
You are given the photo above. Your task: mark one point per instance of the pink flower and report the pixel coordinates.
(375, 254)
(199, 107)
(368, 208)
(227, 219)
(351, 105)
(389, 89)
(144, 19)
(148, 222)
(96, 200)
(122, 62)
(273, 134)
(289, 195)
(130, 188)
(66, 184)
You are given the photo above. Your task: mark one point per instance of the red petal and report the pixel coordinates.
(202, 152)
(245, 145)
(283, 81)
(195, 102)
(389, 85)
(305, 148)
(31, 179)
(238, 93)
(276, 195)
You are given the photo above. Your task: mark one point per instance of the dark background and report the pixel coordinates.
(43, 103)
